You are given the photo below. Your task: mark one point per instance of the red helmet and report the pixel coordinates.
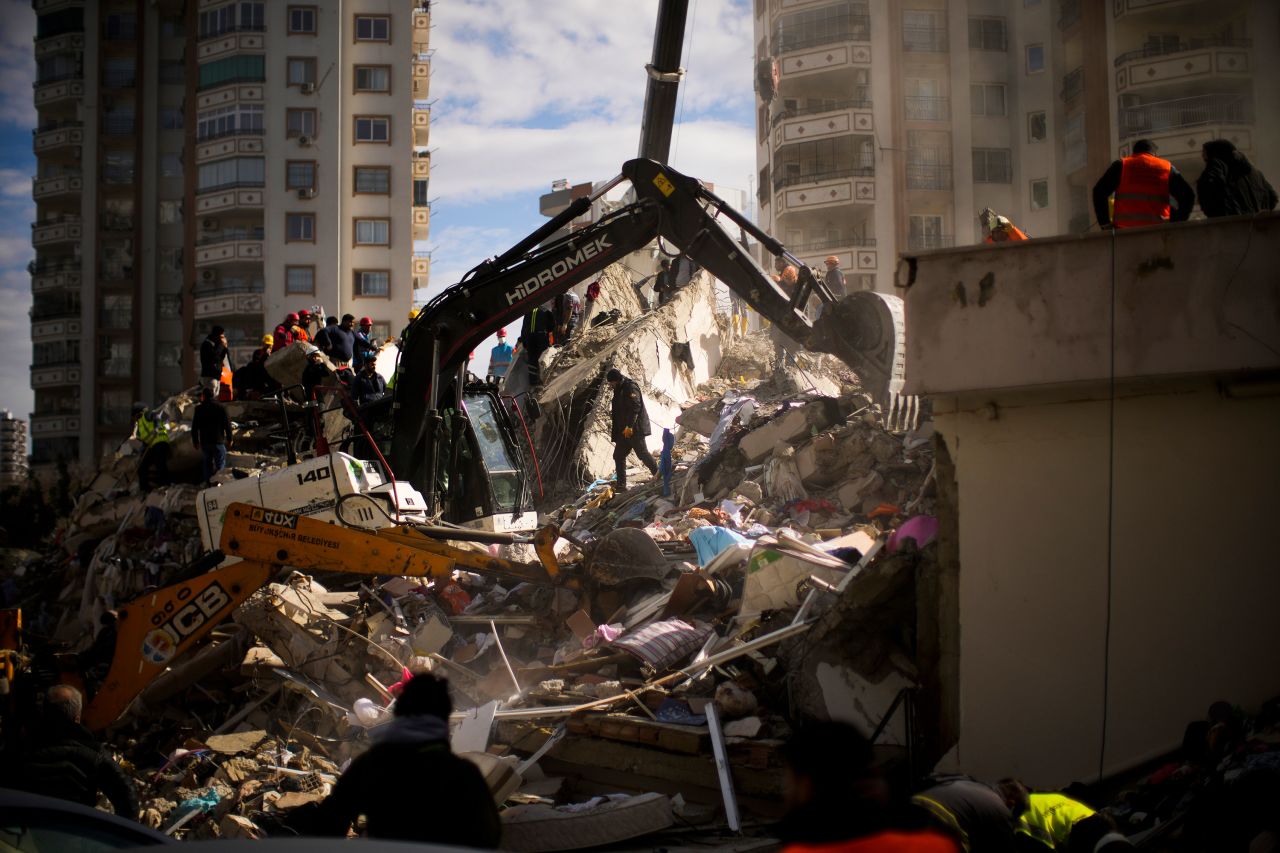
(365, 321)
(291, 318)
(502, 333)
(303, 312)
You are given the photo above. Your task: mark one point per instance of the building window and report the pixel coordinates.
(991, 166)
(373, 129)
(373, 179)
(829, 24)
(987, 34)
(373, 232)
(301, 71)
(235, 172)
(169, 306)
(300, 123)
(924, 31)
(224, 19)
(420, 193)
(170, 166)
(299, 227)
(1035, 58)
(302, 20)
(247, 68)
(234, 120)
(171, 118)
(1037, 126)
(300, 175)
(925, 232)
(1040, 194)
(170, 213)
(299, 280)
(987, 99)
(373, 283)
(373, 28)
(373, 78)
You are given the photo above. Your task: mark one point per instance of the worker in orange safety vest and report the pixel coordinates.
(1142, 185)
(999, 228)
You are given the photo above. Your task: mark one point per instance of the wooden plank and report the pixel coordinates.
(687, 740)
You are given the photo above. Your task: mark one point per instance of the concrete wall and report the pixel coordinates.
(1192, 589)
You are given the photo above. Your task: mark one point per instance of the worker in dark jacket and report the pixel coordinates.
(213, 352)
(1230, 185)
(62, 759)
(629, 427)
(315, 372)
(409, 785)
(1142, 184)
(211, 433)
(970, 811)
(252, 382)
(535, 336)
(368, 385)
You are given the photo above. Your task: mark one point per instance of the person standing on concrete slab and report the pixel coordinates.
(1230, 185)
(409, 785)
(835, 277)
(213, 352)
(211, 433)
(1142, 184)
(153, 432)
(837, 803)
(629, 426)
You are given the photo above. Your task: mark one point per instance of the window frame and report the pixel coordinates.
(1026, 58)
(355, 79)
(289, 132)
(983, 86)
(315, 175)
(355, 232)
(1031, 199)
(355, 134)
(355, 180)
(288, 67)
(356, 279)
(288, 268)
(981, 20)
(355, 29)
(315, 22)
(1031, 138)
(303, 216)
(986, 153)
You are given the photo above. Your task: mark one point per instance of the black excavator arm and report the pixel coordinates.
(864, 330)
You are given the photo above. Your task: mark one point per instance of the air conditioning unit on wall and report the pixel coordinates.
(307, 88)
(306, 193)
(305, 141)
(208, 275)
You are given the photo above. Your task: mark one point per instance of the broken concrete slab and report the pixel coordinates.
(789, 427)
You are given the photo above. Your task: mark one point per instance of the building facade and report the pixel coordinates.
(886, 127)
(206, 162)
(13, 450)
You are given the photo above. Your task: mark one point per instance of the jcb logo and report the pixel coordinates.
(274, 518)
(185, 616)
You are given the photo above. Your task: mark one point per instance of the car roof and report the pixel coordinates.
(21, 804)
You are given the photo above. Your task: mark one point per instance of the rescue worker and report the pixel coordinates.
(213, 352)
(153, 432)
(535, 337)
(836, 802)
(368, 385)
(283, 335)
(363, 348)
(321, 338)
(302, 328)
(1046, 821)
(253, 382)
(593, 294)
(970, 811)
(62, 759)
(211, 433)
(664, 286)
(342, 342)
(409, 785)
(1142, 184)
(568, 316)
(629, 425)
(314, 373)
(266, 349)
(1230, 185)
(835, 277)
(999, 228)
(500, 357)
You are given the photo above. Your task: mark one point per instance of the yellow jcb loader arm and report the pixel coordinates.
(156, 628)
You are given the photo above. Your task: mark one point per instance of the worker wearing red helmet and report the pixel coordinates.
(283, 335)
(500, 357)
(365, 349)
(302, 331)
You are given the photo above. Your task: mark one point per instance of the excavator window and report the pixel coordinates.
(504, 475)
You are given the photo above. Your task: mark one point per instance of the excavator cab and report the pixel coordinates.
(481, 467)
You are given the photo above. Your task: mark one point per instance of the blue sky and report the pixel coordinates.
(520, 98)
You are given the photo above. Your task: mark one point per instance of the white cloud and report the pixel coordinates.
(15, 323)
(15, 183)
(17, 63)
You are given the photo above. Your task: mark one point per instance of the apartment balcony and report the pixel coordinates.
(1072, 84)
(421, 79)
(856, 253)
(44, 7)
(421, 269)
(229, 92)
(240, 142)
(421, 221)
(56, 328)
(50, 232)
(55, 275)
(54, 376)
(421, 29)
(232, 245)
(58, 138)
(928, 176)
(843, 58)
(68, 42)
(924, 39)
(920, 108)
(55, 426)
(48, 189)
(799, 125)
(61, 89)
(230, 200)
(1193, 62)
(236, 301)
(421, 126)
(816, 190)
(1174, 117)
(216, 47)
(855, 28)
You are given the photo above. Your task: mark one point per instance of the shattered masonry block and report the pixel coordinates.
(789, 428)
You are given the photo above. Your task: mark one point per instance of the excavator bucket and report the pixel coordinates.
(867, 331)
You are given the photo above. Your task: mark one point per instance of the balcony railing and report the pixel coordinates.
(230, 81)
(55, 125)
(214, 33)
(1168, 47)
(1178, 113)
(920, 108)
(924, 39)
(854, 28)
(55, 312)
(57, 78)
(1073, 84)
(237, 131)
(228, 235)
(204, 290)
(861, 101)
(928, 176)
(924, 242)
(231, 185)
(53, 267)
(833, 243)
(790, 179)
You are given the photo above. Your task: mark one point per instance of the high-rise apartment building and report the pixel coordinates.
(13, 450)
(207, 162)
(886, 126)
